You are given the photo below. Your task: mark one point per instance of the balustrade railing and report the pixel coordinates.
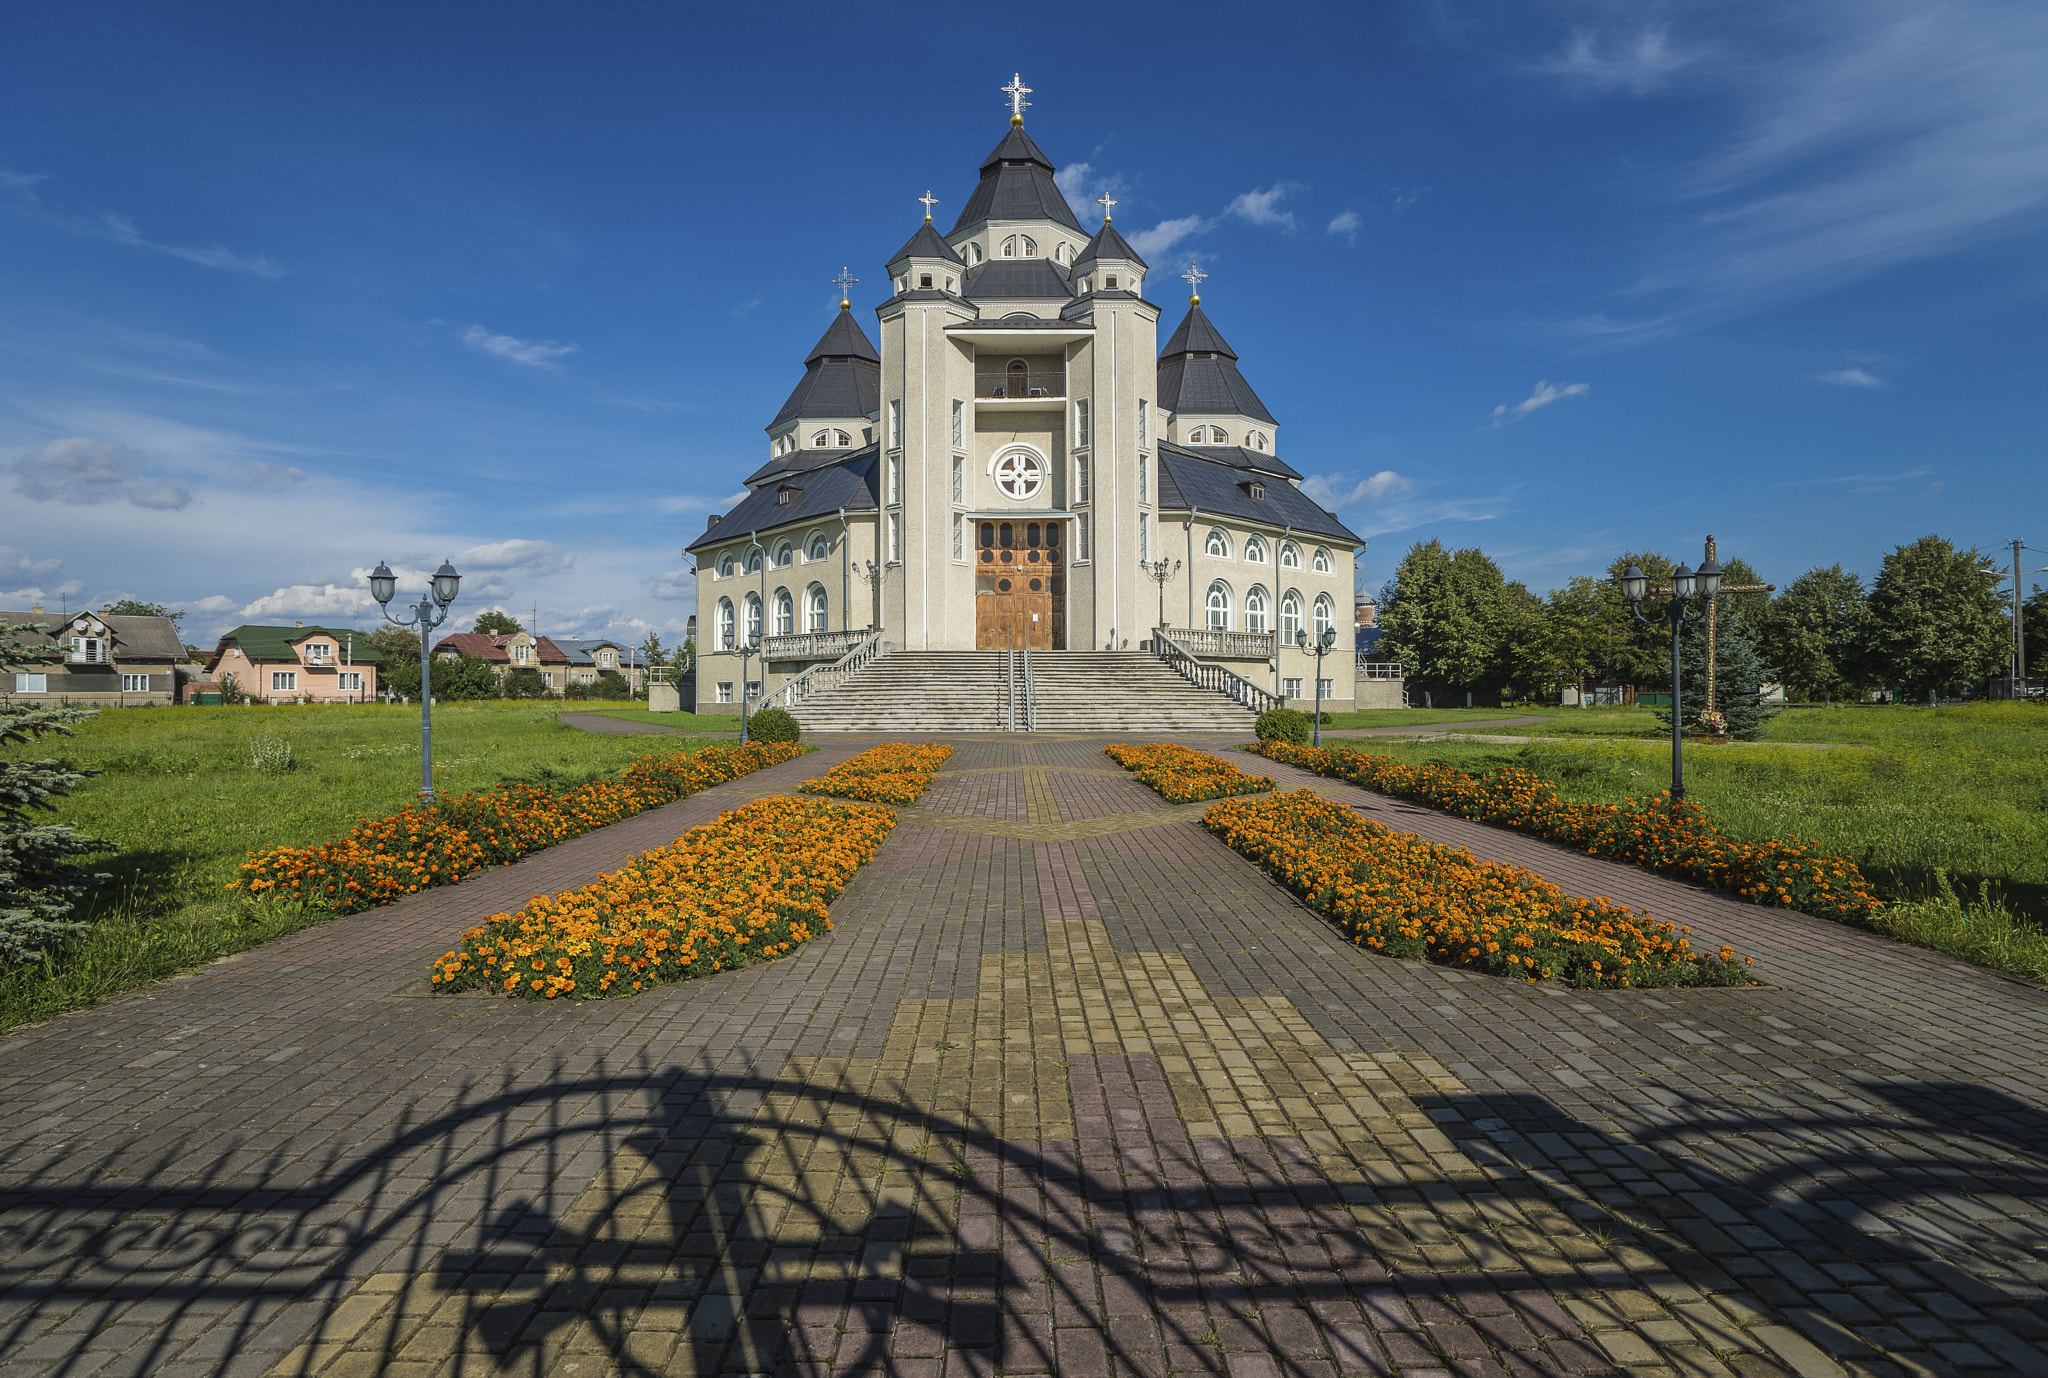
(1379, 669)
(1203, 641)
(1013, 385)
(819, 678)
(811, 645)
(1215, 677)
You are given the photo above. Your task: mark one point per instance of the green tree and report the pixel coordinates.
(1449, 618)
(457, 679)
(399, 671)
(525, 682)
(653, 654)
(1638, 653)
(497, 623)
(128, 607)
(1937, 621)
(2034, 623)
(1739, 676)
(1814, 630)
(41, 881)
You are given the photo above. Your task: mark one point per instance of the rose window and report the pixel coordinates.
(1017, 476)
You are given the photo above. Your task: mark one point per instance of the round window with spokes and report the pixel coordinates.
(1018, 476)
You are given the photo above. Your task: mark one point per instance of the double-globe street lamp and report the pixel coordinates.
(430, 612)
(1685, 583)
(1320, 649)
(1159, 571)
(750, 646)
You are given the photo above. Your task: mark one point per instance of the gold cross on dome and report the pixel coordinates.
(928, 201)
(1016, 91)
(1193, 277)
(1108, 204)
(845, 280)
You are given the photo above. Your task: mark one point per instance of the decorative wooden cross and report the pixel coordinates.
(1108, 204)
(845, 280)
(1714, 622)
(928, 201)
(1016, 91)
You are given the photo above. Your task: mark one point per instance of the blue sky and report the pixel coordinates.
(292, 289)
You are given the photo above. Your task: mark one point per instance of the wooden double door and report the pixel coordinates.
(1020, 586)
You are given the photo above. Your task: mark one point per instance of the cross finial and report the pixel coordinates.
(1016, 91)
(928, 201)
(1193, 278)
(1108, 204)
(845, 280)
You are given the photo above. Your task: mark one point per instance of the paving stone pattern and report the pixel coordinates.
(1070, 1089)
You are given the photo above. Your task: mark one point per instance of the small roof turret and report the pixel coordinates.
(1016, 179)
(1108, 244)
(926, 243)
(842, 375)
(1198, 369)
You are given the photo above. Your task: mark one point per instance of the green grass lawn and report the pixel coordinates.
(696, 724)
(1955, 792)
(182, 800)
(1576, 722)
(1428, 717)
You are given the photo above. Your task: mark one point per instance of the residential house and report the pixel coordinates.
(589, 658)
(108, 661)
(297, 664)
(509, 652)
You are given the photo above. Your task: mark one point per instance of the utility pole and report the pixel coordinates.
(2019, 627)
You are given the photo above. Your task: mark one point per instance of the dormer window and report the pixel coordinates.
(841, 439)
(1257, 490)
(924, 281)
(949, 284)
(1020, 246)
(1109, 283)
(782, 497)
(1257, 440)
(820, 440)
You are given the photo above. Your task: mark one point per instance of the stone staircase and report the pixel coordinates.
(923, 692)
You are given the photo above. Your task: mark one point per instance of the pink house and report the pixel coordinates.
(299, 664)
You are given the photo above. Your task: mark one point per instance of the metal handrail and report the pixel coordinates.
(1206, 676)
(1011, 385)
(819, 678)
(1201, 641)
(1367, 668)
(1030, 698)
(1010, 691)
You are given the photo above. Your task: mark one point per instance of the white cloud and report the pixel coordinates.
(746, 308)
(1082, 183)
(1852, 378)
(1345, 224)
(531, 557)
(213, 602)
(1406, 197)
(313, 602)
(89, 472)
(1263, 207)
(674, 585)
(1638, 63)
(1336, 491)
(532, 353)
(121, 229)
(1543, 395)
(263, 474)
(1157, 242)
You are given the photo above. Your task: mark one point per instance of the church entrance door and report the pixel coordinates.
(1020, 586)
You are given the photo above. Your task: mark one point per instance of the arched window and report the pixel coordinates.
(785, 613)
(1010, 247)
(1257, 440)
(1254, 553)
(753, 617)
(1290, 617)
(1326, 615)
(818, 547)
(815, 609)
(1219, 607)
(754, 560)
(726, 565)
(1027, 246)
(785, 554)
(974, 253)
(820, 440)
(1290, 555)
(726, 632)
(1061, 254)
(1217, 436)
(841, 438)
(1255, 610)
(1217, 544)
(1323, 562)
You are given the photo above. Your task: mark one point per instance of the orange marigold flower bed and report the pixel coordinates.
(1405, 896)
(892, 773)
(424, 845)
(1185, 776)
(1657, 833)
(746, 887)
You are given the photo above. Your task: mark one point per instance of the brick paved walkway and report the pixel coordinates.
(1070, 1089)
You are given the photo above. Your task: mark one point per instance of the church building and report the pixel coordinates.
(1012, 461)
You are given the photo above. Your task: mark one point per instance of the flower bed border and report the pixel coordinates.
(751, 885)
(1655, 833)
(1183, 775)
(891, 773)
(427, 845)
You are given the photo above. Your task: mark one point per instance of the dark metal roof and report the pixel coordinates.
(1006, 279)
(842, 375)
(926, 244)
(1108, 244)
(1002, 323)
(1198, 374)
(281, 643)
(1196, 334)
(848, 483)
(844, 339)
(1238, 457)
(1189, 480)
(803, 460)
(1016, 184)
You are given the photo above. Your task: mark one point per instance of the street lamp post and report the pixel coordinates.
(751, 646)
(1320, 649)
(1159, 571)
(430, 612)
(1705, 582)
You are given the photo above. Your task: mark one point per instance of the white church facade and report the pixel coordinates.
(1014, 462)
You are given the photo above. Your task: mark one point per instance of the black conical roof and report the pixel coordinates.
(1196, 335)
(1198, 374)
(1016, 184)
(843, 339)
(1109, 244)
(927, 244)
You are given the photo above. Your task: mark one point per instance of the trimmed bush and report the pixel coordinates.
(1283, 725)
(773, 725)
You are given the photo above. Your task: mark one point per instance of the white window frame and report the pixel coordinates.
(895, 423)
(1325, 616)
(724, 691)
(31, 682)
(818, 546)
(1080, 479)
(756, 617)
(895, 538)
(895, 473)
(1144, 536)
(1080, 423)
(1254, 550)
(1255, 609)
(284, 681)
(959, 478)
(785, 554)
(959, 424)
(1144, 483)
(960, 537)
(785, 613)
(315, 652)
(1144, 423)
(1291, 623)
(1084, 539)
(728, 626)
(727, 565)
(1290, 555)
(1216, 607)
(817, 609)
(1216, 545)
(1323, 562)
(1326, 688)
(350, 681)
(133, 683)
(1290, 687)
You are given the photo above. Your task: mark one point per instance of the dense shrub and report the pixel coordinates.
(525, 682)
(1408, 897)
(747, 887)
(1658, 833)
(773, 725)
(1283, 725)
